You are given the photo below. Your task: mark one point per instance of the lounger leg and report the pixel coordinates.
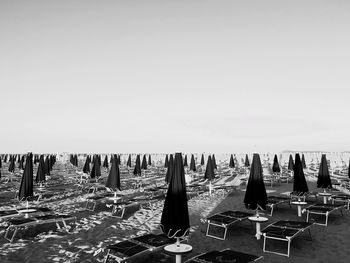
(288, 248)
(326, 218)
(13, 235)
(310, 234)
(107, 257)
(271, 210)
(307, 216)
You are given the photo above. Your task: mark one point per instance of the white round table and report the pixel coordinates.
(26, 211)
(178, 250)
(325, 195)
(258, 220)
(299, 204)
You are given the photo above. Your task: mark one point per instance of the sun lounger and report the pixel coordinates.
(23, 222)
(323, 210)
(127, 249)
(303, 195)
(91, 202)
(284, 231)
(224, 220)
(226, 255)
(343, 198)
(273, 201)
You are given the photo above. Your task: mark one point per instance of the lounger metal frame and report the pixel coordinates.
(196, 259)
(341, 198)
(36, 221)
(147, 247)
(273, 204)
(287, 239)
(223, 225)
(323, 211)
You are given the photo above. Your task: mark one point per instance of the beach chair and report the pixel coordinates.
(285, 231)
(91, 202)
(131, 248)
(343, 198)
(118, 209)
(226, 255)
(301, 196)
(273, 201)
(323, 210)
(223, 220)
(18, 223)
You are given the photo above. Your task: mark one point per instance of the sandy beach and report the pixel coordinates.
(92, 231)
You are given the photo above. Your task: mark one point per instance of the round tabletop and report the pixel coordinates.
(29, 210)
(114, 198)
(299, 203)
(324, 194)
(258, 219)
(178, 249)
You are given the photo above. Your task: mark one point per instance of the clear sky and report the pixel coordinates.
(165, 76)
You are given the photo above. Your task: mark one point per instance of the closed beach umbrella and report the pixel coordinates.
(303, 161)
(255, 194)
(246, 162)
(193, 164)
(232, 162)
(202, 159)
(128, 163)
(166, 161)
(214, 162)
(96, 168)
(175, 219)
(40, 173)
(349, 170)
(209, 171)
(105, 162)
(86, 168)
(21, 162)
(47, 165)
(12, 164)
(137, 169)
(170, 170)
(144, 162)
(276, 167)
(299, 184)
(113, 180)
(185, 161)
(26, 188)
(291, 163)
(149, 160)
(323, 179)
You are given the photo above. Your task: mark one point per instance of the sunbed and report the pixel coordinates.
(343, 198)
(127, 249)
(323, 210)
(226, 255)
(302, 195)
(284, 231)
(273, 201)
(23, 222)
(224, 219)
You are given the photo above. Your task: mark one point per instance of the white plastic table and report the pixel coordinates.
(325, 195)
(26, 211)
(178, 250)
(299, 204)
(258, 220)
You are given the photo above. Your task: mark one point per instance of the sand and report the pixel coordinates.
(91, 232)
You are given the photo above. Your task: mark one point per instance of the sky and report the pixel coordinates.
(166, 76)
